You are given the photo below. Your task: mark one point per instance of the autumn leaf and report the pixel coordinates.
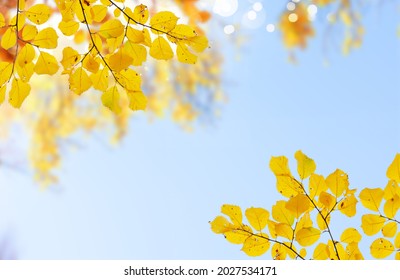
(19, 91)
(256, 245)
(111, 99)
(337, 182)
(371, 198)
(305, 165)
(381, 248)
(257, 217)
(350, 235)
(307, 236)
(39, 13)
(372, 224)
(233, 212)
(160, 49)
(46, 38)
(163, 22)
(298, 204)
(46, 64)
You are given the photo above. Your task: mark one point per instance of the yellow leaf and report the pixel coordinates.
(70, 58)
(393, 171)
(19, 91)
(91, 63)
(390, 229)
(160, 49)
(9, 39)
(6, 70)
(198, 43)
(305, 165)
(391, 206)
(350, 235)
(68, 28)
(112, 28)
(371, 198)
(348, 205)
(220, 225)
(372, 224)
(257, 217)
(129, 79)
(381, 248)
(280, 166)
(307, 236)
(284, 230)
(26, 55)
(391, 190)
(134, 35)
(137, 100)
(281, 214)
(337, 182)
(110, 99)
(98, 12)
(46, 38)
(120, 60)
(2, 94)
(288, 186)
(233, 212)
(256, 245)
(140, 14)
(181, 32)
(29, 32)
(79, 81)
(397, 256)
(327, 200)
(298, 204)
(321, 252)
(278, 252)
(163, 22)
(316, 185)
(138, 53)
(39, 13)
(46, 64)
(184, 55)
(100, 79)
(238, 235)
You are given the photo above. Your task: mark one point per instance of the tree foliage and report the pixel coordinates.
(115, 45)
(64, 49)
(300, 225)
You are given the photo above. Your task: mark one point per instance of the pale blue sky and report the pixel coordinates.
(152, 197)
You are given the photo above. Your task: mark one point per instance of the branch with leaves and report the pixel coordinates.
(116, 46)
(292, 224)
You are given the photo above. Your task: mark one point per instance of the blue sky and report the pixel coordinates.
(152, 197)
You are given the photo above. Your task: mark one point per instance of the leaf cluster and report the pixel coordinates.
(303, 218)
(117, 44)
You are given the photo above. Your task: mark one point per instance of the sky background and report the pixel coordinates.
(153, 196)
